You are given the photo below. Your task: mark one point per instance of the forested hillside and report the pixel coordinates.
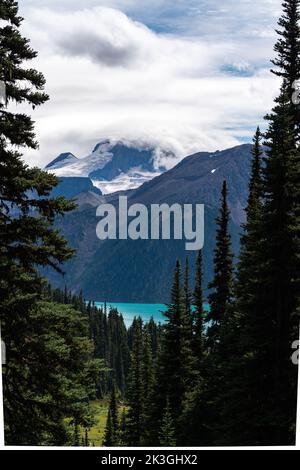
(197, 179)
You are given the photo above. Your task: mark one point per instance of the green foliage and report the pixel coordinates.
(270, 321)
(109, 432)
(221, 296)
(108, 333)
(187, 292)
(198, 314)
(26, 212)
(176, 368)
(167, 434)
(111, 435)
(122, 428)
(49, 377)
(222, 378)
(136, 387)
(147, 367)
(261, 387)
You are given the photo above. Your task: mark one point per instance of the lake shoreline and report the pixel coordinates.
(130, 310)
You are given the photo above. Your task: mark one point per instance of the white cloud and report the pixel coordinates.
(111, 76)
(207, 17)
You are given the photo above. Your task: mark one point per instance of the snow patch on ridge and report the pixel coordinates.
(125, 181)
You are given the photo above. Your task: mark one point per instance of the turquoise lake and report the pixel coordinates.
(145, 311)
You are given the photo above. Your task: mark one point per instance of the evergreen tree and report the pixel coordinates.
(287, 61)
(118, 355)
(147, 365)
(86, 439)
(198, 315)
(280, 287)
(108, 440)
(203, 407)
(26, 212)
(114, 410)
(236, 383)
(155, 335)
(249, 260)
(280, 229)
(176, 369)
(136, 387)
(109, 336)
(221, 296)
(111, 435)
(269, 304)
(123, 428)
(76, 437)
(167, 433)
(147, 383)
(254, 205)
(27, 238)
(55, 380)
(187, 292)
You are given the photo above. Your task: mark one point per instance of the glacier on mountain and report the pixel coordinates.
(113, 165)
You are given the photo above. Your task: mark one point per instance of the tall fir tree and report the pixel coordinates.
(117, 350)
(221, 297)
(253, 210)
(135, 396)
(167, 436)
(111, 435)
(122, 429)
(287, 61)
(198, 314)
(237, 384)
(76, 436)
(176, 368)
(26, 211)
(203, 406)
(187, 292)
(147, 364)
(269, 304)
(249, 259)
(108, 440)
(279, 290)
(86, 439)
(147, 382)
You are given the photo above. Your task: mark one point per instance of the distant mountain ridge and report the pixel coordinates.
(113, 165)
(64, 159)
(71, 187)
(140, 271)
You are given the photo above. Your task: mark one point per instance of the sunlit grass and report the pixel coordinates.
(96, 432)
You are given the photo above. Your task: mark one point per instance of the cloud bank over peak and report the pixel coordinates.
(110, 75)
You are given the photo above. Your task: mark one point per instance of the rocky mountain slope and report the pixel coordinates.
(141, 271)
(70, 187)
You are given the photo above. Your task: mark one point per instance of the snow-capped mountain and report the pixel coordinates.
(61, 161)
(113, 165)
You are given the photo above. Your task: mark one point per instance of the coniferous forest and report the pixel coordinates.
(217, 378)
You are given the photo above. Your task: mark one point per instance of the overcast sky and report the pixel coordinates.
(188, 75)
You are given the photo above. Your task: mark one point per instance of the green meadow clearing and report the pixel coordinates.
(96, 432)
